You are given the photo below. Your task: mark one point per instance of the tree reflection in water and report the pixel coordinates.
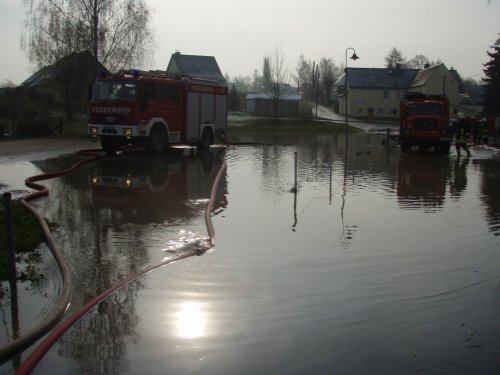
(116, 206)
(98, 343)
(384, 195)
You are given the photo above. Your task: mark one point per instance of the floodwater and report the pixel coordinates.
(360, 262)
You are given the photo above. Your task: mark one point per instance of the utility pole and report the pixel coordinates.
(317, 90)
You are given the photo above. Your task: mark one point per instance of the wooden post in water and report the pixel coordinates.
(11, 264)
(11, 255)
(295, 190)
(295, 171)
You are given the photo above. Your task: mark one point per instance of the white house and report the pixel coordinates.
(376, 92)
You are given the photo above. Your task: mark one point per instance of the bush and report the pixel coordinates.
(35, 125)
(27, 237)
(306, 108)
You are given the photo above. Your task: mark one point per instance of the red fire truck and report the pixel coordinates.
(424, 122)
(185, 104)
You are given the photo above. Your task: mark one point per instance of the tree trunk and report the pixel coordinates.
(95, 30)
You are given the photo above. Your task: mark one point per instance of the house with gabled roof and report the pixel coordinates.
(376, 92)
(201, 67)
(439, 79)
(67, 80)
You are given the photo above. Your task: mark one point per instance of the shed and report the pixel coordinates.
(263, 105)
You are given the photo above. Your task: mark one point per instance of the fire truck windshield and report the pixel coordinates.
(115, 91)
(419, 109)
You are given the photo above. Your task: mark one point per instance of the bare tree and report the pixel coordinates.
(116, 32)
(304, 77)
(418, 62)
(437, 62)
(266, 72)
(243, 83)
(394, 58)
(256, 81)
(279, 78)
(329, 73)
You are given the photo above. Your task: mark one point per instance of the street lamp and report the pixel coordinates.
(353, 57)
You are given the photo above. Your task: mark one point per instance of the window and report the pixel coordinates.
(425, 109)
(385, 94)
(394, 111)
(150, 90)
(361, 111)
(115, 91)
(162, 92)
(380, 111)
(173, 90)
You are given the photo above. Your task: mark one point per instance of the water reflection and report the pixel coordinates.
(141, 189)
(422, 180)
(127, 194)
(118, 216)
(458, 181)
(99, 343)
(490, 188)
(191, 320)
(406, 291)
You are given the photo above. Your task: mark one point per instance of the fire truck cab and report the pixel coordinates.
(424, 122)
(185, 104)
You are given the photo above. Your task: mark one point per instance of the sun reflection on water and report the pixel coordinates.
(191, 320)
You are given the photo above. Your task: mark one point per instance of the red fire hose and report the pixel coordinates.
(63, 302)
(34, 358)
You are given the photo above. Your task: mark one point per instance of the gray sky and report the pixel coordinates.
(239, 33)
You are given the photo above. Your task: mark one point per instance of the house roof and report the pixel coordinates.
(204, 67)
(379, 78)
(39, 77)
(423, 75)
(287, 97)
(48, 73)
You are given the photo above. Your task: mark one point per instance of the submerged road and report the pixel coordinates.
(374, 125)
(381, 262)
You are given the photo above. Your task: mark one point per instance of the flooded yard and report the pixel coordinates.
(326, 261)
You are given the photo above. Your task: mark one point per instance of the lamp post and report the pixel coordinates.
(353, 57)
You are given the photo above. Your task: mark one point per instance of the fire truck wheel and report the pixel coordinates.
(157, 142)
(206, 139)
(109, 145)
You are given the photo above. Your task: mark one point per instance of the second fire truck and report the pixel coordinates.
(424, 122)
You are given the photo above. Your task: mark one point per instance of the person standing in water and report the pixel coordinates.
(462, 133)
